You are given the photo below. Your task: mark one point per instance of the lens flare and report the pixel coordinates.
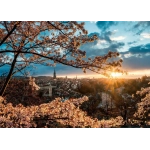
(115, 74)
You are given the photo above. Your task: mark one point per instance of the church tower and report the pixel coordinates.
(54, 75)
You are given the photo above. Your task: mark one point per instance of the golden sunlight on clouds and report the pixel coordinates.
(130, 74)
(115, 74)
(136, 74)
(139, 73)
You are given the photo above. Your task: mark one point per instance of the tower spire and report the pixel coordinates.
(54, 75)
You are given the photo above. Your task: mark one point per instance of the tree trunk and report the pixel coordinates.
(9, 75)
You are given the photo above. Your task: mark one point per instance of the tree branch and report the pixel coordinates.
(84, 65)
(9, 33)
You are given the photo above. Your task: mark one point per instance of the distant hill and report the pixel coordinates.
(23, 77)
(19, 77)
(43, 77)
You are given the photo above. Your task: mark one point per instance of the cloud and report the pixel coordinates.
(119, 38)
(136, 63)
(131, 43)
(100, 41)
(141, 26)
(94, 33)
(137, 57)
(93, 21)
(116, 46)
(146, 35)
(105, 25)
(103, 36)
(127, 55)
(141, 49)
(115, 31)
(103, 45)
(93, 50)
(106, 36)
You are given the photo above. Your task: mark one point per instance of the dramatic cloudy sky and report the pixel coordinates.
(130, 38)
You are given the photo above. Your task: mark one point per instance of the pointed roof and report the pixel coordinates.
(54, 75)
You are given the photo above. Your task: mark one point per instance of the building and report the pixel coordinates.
(106, 101)
(54, 74)
(47, 89)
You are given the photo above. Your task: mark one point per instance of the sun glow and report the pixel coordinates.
(115, 74)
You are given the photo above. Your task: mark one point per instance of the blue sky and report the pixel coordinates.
(130, 38)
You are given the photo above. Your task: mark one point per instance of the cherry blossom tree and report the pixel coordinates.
(25, 43)
(143, 108)
(65, 113)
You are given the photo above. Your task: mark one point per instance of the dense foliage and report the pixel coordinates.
(66, 114)
(143, 107)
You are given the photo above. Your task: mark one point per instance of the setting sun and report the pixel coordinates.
(115, 74)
